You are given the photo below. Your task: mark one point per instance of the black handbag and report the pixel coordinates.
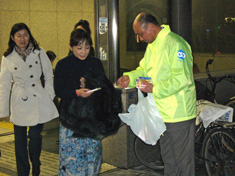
(42, 78)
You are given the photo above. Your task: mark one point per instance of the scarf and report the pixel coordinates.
(24, 53)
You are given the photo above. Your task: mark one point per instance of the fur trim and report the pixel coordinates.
(97, 115)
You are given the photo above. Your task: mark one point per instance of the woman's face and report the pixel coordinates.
(21, 38)
(81, 50)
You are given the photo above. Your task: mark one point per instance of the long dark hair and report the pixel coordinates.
(11, 44)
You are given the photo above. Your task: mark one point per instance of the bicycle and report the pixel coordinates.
(218, 150)
(213, 84)
(215, 144)
(148, 155)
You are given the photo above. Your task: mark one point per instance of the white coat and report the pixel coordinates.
(20, 81)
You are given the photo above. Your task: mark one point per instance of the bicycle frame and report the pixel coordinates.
(215, 80)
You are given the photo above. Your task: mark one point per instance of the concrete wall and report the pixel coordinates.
(220, 61)
(50, 21)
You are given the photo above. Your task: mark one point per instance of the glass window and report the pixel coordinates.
(213, 24)
(158, 8)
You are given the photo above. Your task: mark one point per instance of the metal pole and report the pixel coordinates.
(113, 39)
(181, 18)
(97, 36)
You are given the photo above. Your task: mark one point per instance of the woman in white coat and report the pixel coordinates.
(31, 104)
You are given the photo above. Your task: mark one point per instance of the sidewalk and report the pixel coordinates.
(50, 157)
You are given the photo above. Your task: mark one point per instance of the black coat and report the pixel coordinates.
(97, 115)
(69, 71)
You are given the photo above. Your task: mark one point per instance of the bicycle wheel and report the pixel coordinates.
(231, 103)
(199, 136)
(218, 152)
(148, 155)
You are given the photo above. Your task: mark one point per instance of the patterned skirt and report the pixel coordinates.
(78, 156)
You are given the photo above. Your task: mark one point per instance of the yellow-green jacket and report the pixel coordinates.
(168, 61)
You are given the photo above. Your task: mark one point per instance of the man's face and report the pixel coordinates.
(145, 35)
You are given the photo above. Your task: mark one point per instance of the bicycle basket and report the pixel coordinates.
(203, 92)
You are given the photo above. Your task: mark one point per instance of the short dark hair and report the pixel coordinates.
(85, 25)
(79, 35)
(144, 18)
(51, 55)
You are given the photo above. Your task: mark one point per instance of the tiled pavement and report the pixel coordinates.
(49, 158)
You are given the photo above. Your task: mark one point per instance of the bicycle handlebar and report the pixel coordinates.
(217, 80)
(209, 62)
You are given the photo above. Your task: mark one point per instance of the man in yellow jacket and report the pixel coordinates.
(168, 61)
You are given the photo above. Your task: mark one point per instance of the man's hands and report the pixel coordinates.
(123, 81)
(148, 87)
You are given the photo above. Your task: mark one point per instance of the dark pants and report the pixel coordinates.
(21, 151)
(177, 149)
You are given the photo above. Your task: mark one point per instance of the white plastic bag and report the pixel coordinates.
(144, 119)
(209, 112)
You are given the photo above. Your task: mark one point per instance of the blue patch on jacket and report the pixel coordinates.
(181, 54)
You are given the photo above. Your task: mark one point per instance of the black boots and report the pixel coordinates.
(36, 170)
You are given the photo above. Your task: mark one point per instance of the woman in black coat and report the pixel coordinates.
(84, 115)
